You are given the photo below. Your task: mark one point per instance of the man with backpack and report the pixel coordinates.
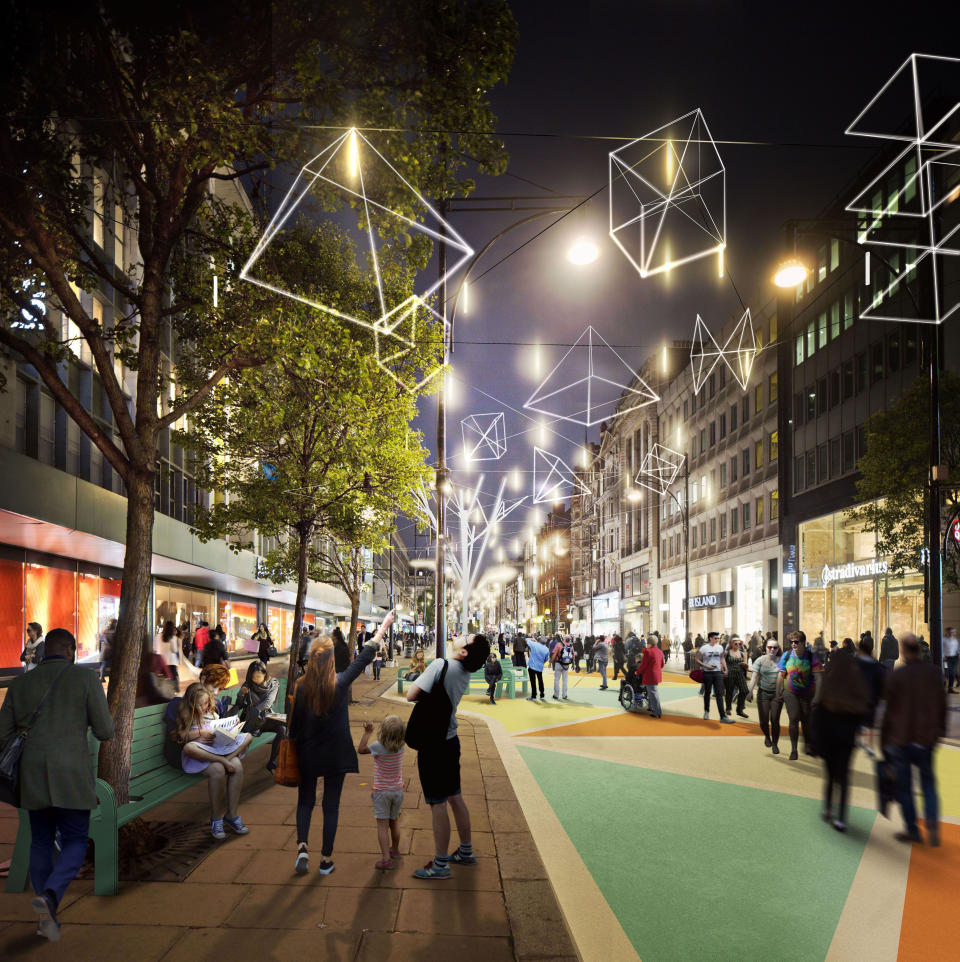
(432, 731)
(562, 659)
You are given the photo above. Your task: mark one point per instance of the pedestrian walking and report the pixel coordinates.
(711, 659)
(492, 673)
(438, 761)
(950, 647)
(167, 646)
(539, 653)
(914, 721)
(320, 726)
(687, 649)
(875, 677)
(200, 638)
(376, 665)
(799, 678)
(764, 673)
(619, 657)
(264, 643)
(601, 651)
(651, 674)
(588, 645)
(502, 645)
(841, 704)
(561, 659)
(387, 794)
(735, 682)
(105, 645)
(577, 653)
(519, 647)
(215, 650)
(889, 649)
(57, 702)
(341, 651)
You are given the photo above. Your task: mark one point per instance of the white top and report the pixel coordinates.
(712, 657)
(951, 646)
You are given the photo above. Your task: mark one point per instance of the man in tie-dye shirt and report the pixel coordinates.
(800, 674)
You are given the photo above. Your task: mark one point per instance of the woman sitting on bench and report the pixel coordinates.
(255, 703)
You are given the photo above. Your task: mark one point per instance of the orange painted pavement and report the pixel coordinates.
(928, 930)
(634, 725)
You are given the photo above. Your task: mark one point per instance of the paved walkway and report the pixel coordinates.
(244, 902)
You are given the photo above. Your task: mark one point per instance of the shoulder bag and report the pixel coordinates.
(430, 717)
(287, 772)
(12, 750)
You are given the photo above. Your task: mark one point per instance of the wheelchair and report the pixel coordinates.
(633, 695)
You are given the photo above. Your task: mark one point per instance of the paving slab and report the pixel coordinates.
(280, 907)
(143, 943)
(380, 946)
(264, 945)
(452, 912)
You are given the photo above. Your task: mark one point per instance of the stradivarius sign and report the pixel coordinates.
(852, 571)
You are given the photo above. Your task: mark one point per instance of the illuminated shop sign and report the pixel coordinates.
(852, 571)
(720, 599)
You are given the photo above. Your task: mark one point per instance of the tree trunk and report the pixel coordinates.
(292, 667)
(114, 760)
(354, 614)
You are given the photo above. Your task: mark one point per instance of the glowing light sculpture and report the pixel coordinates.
(553, 478)
(668, 196)
(902, 225)
(352, 169)
(738, 352)
(593, 388)
(659, 468)
(484, 436)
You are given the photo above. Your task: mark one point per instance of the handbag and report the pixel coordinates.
(12, 751)
(430, 718)
(696, 675)
(287, 772)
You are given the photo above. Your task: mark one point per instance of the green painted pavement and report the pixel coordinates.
(687, 864)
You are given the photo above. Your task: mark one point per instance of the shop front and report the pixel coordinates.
(238, 618)
(635, 592)
(280, 623)
(181, 604)
(606, 614)
(845, 588)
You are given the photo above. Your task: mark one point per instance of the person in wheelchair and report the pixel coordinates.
(632, 695)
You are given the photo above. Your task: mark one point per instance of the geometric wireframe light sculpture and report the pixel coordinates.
(738, 352)
(484, 437)
(553, 478)
(904, 225)
(591, 383)
(352, 170)
(659, 468)
(668, 196)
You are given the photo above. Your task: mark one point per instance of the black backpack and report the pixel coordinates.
(430, 718)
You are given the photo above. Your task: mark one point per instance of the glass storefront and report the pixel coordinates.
(749, 599)
(181, 603)
(845, 588)
(239, 620)
(280, 623)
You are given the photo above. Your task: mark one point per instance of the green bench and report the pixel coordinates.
(152, 782)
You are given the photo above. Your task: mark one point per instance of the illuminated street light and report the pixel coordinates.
(790, 273)
(635, 495)
(582, 252)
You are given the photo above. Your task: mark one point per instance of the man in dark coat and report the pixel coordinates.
(56, 777)
(341, 653)
(214, 651)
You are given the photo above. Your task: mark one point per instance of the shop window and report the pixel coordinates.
(846, 379)
(733, 417)
(51, 597)
(723, 426)
(811, 468)
(734, 520)
(848, 456)
(723, 525)
(861, 362)
(713, 530)
(876, 362)
(773, 442)
(822, 465)
(758, 454)
(745, 461)
(836, 468)
(774, 505)
(745, 508)
(758, 511)
(821, 396)
(893, 352)
(834, 389)
(12, 622)
(798, 474)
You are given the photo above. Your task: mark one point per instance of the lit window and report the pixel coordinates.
(759, 511)
(774, 443)
(118, 236)
(774, 505)
(834, 254)
(98, 211)
(758, 454)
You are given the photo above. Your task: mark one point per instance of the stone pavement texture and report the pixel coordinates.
(244, 902)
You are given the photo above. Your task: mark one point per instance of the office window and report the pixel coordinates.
(849, 309)
(713, 530)
(893, 352)
(118, 234)
(798, 406)
(773, 442)
(72, 465)
(834, 254)
(745, 507)
(876, 362)
(861, 441)
(848, 456)
(686, 410)
(811, 468)
(20, 444)
(811, 404)
(758, 398)
(666, 552)
(846, 378)
(733, 470)
(798, 473)
(723, 474)
(861, 362)
(703, 487)
(823, 473)
(693, 442)
(745, 409)
(834, 388)
(774, 505)
(712, 385)
(734, 520)
(834, 320)
(723, 426)
(745, 461)
(910, 180)
(758, 511)
(703, 440)
(758, 454)
(811, 338)
(703, 532)
(773, 330)
(46, 428)
(821, 395)
(822, 330)
(723, 376)
(713, 433)
(733, 417)
(836, 468)
(98, 208)
(693, 536)
(909, 345)
(798, 350)
(772, 388)
(723, 525)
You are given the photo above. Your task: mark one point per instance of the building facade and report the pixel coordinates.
(553, 589)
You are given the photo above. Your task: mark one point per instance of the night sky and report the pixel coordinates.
(776, 95)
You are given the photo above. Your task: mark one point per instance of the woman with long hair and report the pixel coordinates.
(167, 646)
(320, 725)
(255, 703)
(264, 642)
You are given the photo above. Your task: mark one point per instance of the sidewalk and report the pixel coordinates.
(243, 901)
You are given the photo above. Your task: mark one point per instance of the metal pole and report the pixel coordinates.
(440, 611)
(933, 506)
(686, 546)
(390, 640)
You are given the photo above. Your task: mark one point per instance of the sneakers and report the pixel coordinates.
(556, 698)
(216, 829)
(706, 716)
(326, 866)
(302, 864)
(727, 720)
(839, 825)
(394, 853)
(236, 825)
(532, 698)
(543, 698)
(47, 925)
(909, 837)
(492, 702)
(743, 714)
(384, 863)
(430, 870)
(459, 859)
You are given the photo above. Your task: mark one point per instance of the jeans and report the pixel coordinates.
(330, 805)
(736, 684)
(798, 711)
(618, 664)
(558, 673)
(903, 758)
(769, 708)
(73, 825)
(713, 684)
(491, 688)
(376, 669)
(950, 666)
(602, 668)
(653, 699)
(535, 676)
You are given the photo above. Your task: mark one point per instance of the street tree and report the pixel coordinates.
(892, 490)
(130, 135)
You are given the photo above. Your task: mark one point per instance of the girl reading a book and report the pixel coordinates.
(217, 753)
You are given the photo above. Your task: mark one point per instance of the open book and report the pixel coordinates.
(226, 734)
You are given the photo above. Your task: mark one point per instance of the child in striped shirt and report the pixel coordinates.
(387, 793)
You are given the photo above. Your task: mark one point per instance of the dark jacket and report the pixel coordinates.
(492, 672)
(889, 648)
(55, 768)
(916, 706)
(214, 653)
(875, 675)
(264, 644)
(341, 655)
(324, 744)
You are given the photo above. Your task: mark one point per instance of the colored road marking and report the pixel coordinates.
(629, 724)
